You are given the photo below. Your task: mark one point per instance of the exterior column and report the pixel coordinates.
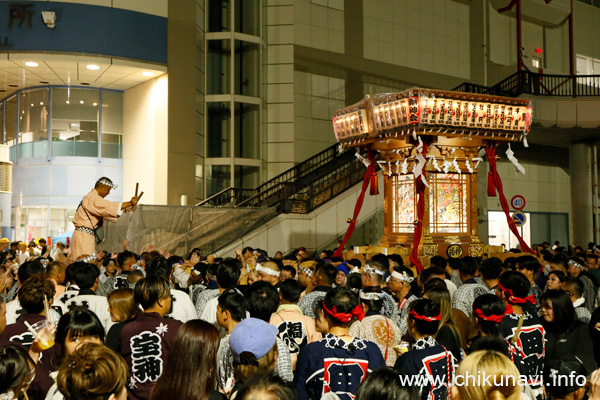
(581, 221)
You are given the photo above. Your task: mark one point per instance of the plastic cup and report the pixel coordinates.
(45, 332)
(402, 347)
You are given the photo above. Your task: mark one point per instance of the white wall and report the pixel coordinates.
(145, 131)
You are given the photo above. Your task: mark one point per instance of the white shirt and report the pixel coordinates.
(97, 304)
(183, 308)
(210, 311)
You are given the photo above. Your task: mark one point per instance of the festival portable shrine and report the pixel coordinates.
(427, 144)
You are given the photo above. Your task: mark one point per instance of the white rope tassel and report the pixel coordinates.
(364, 160)
(456, 167)
(389, 169)
(435, 164)
(478, 161)
(511, 156)
(468, 165)
(414, 133)
(405, 166)
(446, 166)
(525, 141)
(397, 167)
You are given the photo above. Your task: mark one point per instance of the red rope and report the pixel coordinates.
(420, 190)
(371, 170)
(491, 154)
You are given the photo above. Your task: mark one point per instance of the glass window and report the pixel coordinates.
(10, 124)
(33, 123)
(246, 176)
(218, 177)
(247, 17)
(246, 68)
(448, 203)
(404, 203)
(218, 71)
(246, 133)
(75, 122)
(219, 16)
(1, 124)
(112, 124)
(218, 130)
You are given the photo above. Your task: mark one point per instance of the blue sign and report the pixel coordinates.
(519, 218)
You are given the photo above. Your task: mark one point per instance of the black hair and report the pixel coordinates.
(85, 274)
(354, 281)
(228, 273)
(529, 263)
(343, 300)
(354, 263)
(262, 300)
(78, 322)
(328, 272)
(386, 384)
(489, 304)
(425, 308)
(269, 386)
(427, 273)
(28, 269)
(490, 268)
(124, 256)
(175, 260)
(592, 256)
(195, 250)
(438, 261)
(381, 259)
(516, 282)
(560, 260)
(150, 289)
(245, 249)
(562, 307)
(558, 376)
(490, 342)
(468, 266)
(434, 283)
(575, 285)
(33, 292)
(230, 300)
(290, 290)
(318, 308)
(454, 263)
(159, 266)
(374, 305)
(510, 263)
(70, 272)
(15, 367)
(288, 268)
(559, 274)
(396, 258)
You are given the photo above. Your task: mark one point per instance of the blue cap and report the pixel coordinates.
(342, 267)
(254, 336)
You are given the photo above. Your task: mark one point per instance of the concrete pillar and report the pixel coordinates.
(581, 225)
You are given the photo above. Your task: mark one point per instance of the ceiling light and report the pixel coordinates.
(31, 64)
(80, 101)
(31, 104)
(41, 103)
(148, 73)
(93, 66)
(95, 104)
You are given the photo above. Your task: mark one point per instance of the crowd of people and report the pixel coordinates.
(154, 326)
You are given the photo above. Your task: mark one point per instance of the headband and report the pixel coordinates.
(357, 312)
(414, 314)
(516, 300)
(265, 270)
(371, 295)
(367, 269)
(490, 318)
(106, 182)
(307, 271)
(401, 277)
(354, 270)
(575, 264)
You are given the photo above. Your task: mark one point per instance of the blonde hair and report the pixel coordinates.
(265, 365)
(441, 296)
(122, 304)
(92, 372)
(502, 373)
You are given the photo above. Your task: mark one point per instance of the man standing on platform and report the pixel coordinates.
(90, 214)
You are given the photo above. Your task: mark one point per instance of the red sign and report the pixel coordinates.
(518, 202)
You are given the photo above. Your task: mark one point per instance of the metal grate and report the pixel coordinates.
(5, 177)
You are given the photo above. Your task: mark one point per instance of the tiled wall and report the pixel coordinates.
(429, 35)
(317, 97)
(320, 24)
(279, 81)
(154, 7)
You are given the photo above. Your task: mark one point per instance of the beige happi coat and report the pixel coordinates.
(97, 208)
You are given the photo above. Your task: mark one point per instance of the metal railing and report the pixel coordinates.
(527, 82)
(300, 189)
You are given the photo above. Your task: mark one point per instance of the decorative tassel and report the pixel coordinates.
(491, 189)
(374, 189)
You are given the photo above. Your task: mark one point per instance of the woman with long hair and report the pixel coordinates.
(566, 335)
(447, 334)
(123, 308)
(190, 371)
(17, 370)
